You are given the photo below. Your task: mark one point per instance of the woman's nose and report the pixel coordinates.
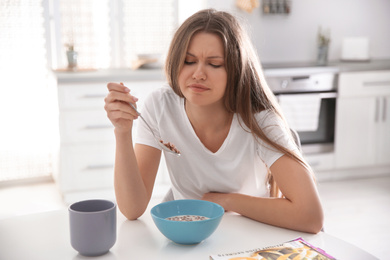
(199, 73)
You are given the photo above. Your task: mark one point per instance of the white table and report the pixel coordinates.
(46, 236)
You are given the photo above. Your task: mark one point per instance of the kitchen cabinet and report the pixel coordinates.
(85, 162)
(362, 135)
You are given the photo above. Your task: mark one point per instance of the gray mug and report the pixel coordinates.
(92, 226)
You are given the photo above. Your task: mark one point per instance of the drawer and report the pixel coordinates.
(87, 166)
(82, 95)
(321, 162)
(85, 126)
(364, 84)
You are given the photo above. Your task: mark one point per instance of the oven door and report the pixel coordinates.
(321, 138)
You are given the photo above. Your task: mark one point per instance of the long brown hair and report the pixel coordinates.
(247, 92)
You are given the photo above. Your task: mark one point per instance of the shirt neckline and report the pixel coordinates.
(191, 129)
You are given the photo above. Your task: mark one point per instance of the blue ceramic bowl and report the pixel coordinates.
(187, 232)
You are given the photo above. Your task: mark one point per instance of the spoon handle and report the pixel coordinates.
(146, 123)
(158, 139)
(131, 104)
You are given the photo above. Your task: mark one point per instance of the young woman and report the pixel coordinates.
(236, 148)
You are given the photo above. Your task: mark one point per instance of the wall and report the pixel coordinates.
(292, 38)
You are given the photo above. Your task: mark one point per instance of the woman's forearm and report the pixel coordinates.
(279, 212)
(300, 208)
(130, 191)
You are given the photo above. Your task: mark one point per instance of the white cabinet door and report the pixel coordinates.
(355, 140)
(363, 119)
(384, 132)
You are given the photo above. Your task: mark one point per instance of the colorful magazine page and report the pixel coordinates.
(297, 249)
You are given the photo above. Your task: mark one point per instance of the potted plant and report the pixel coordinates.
(71, 55)
(323, 40)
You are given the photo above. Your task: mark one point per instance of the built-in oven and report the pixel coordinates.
(307, 97)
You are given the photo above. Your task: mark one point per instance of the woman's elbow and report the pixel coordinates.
(131, 217)
(314, 222)
(315, 228)
(131, 214)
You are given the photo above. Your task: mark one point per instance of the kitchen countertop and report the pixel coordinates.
(343, 66)
(157, 74)
(109, 75)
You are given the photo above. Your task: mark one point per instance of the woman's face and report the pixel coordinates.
(203, 77)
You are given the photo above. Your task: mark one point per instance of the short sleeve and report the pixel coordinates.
(273, 127)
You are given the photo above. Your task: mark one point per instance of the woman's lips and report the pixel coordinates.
(198, 87)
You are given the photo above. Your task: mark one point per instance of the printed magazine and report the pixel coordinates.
(297, 249)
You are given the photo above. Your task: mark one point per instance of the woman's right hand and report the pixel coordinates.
(117, 106)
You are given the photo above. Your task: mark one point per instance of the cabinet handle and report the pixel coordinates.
(99, 166)
(300, 78)
(377, 110)
(384, 109)
(376, 83)
(88, 127)
(94, 96)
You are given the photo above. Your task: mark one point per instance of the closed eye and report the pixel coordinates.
(215, 65)
(189, 62)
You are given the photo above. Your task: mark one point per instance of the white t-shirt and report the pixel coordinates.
(240, 164)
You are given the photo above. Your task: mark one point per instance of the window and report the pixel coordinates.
(33, 38)
(112, 33)
(148, 27)
(84, 25)
(27, 102)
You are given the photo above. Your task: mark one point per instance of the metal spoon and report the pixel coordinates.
(160, 142)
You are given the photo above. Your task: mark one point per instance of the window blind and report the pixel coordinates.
(112, 33)
(27, 114)
(85, 25)
(147, 27)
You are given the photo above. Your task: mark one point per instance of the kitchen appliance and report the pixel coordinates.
(355, 49)
(307, 97)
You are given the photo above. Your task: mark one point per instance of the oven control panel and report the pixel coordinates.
(302, 80)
